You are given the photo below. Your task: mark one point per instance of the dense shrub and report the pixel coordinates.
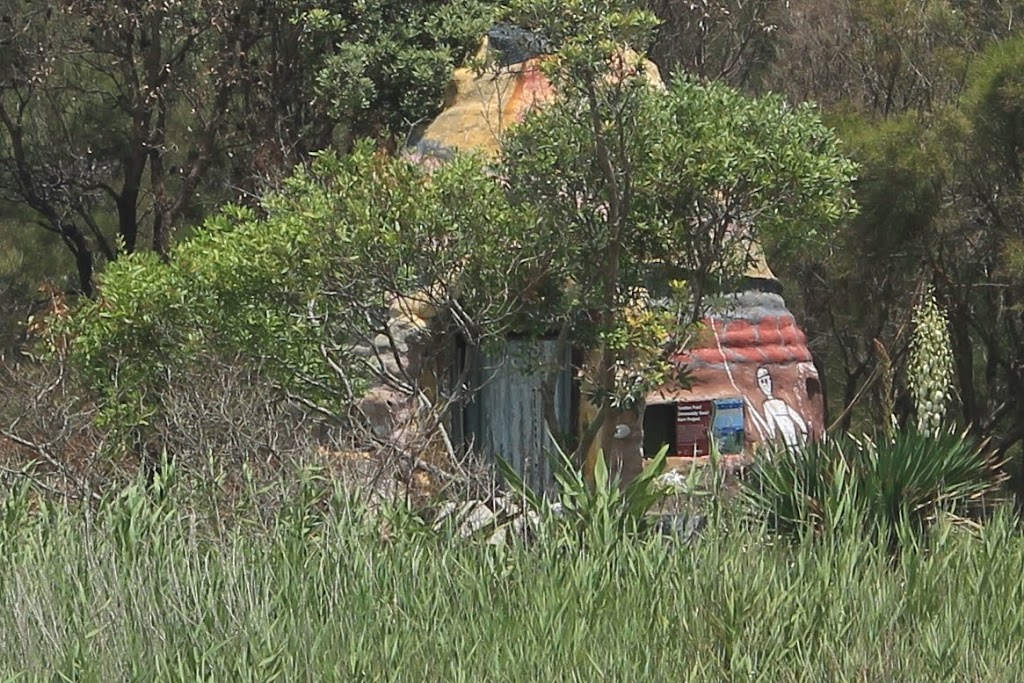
(598, 512)
(883, 485)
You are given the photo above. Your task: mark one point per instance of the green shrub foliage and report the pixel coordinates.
(882, 485)
(294, 286)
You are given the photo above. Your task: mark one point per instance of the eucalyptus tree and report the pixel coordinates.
(122, 122)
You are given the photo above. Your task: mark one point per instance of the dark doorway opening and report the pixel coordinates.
(813, 388)
(659, 428)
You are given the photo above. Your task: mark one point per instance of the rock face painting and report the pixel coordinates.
(777, 419)
(479, 108)
(752, 354)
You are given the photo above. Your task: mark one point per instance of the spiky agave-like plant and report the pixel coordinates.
(878, 484)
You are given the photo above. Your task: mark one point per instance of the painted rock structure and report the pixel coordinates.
(753, 376)
(478, 108)
(753, 381)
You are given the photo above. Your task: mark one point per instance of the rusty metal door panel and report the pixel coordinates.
(510, 407)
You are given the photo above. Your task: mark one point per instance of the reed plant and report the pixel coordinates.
(142, 587)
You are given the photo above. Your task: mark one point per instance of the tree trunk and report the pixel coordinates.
(128, 202)
(617, 433)
(82, 251)
(622, 440)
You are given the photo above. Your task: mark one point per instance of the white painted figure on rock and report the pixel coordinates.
(779, 417)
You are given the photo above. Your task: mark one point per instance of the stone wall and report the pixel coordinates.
(397, 408)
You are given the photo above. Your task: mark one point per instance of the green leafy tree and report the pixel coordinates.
(941, 205)
(387, 62)
(858, 294)
(878, 56)
(976, 242)
(626, 176)
(616, 180)
(724, 40)
(122, 122)
(298, 288)
(113, 114)
(895, 78)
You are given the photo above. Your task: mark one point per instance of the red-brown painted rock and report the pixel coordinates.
(753, 381)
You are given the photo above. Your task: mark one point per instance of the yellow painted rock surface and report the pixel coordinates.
(479, 108)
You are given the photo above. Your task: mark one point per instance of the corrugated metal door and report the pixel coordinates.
(507, 416)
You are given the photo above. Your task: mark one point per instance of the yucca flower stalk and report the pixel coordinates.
(930, 373)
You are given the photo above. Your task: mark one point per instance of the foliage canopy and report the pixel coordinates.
(614, 177)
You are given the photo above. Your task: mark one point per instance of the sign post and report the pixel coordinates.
(698, 423)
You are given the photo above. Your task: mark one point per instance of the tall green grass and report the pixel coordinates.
(144, 590)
